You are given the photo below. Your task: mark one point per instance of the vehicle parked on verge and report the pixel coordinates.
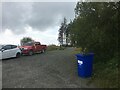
(9, 51)
(33, 47)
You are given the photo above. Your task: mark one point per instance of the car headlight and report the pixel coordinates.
(25, 48)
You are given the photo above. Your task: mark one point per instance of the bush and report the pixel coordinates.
(77, 50)
(52, 47)
(105, 75)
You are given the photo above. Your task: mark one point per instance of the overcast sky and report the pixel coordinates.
(38, 20)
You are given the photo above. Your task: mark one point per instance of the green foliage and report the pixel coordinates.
(95, 28)
(52, 47)
(77, 50)
(106, 74)
(61, 47)
(25, 40)
(63, 33)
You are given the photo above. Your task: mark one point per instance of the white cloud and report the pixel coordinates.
(40, 16)
(8, 38)
(47, 37)
(40, 0)
(39, 21)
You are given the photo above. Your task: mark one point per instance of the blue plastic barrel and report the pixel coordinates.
(85, 64)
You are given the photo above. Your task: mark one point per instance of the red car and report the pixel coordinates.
(33, 47)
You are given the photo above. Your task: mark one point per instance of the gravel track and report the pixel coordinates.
(52, 69)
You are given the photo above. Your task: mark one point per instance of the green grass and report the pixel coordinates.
(61, 48)
(52, 47)
(105, 75)
(77, 50)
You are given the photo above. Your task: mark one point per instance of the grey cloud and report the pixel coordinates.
(46, 14)
(39, 15)
(0, 16)
(13, 16)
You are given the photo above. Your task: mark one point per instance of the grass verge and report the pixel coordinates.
(52, 47)
(105, 75)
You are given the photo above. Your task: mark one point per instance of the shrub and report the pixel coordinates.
(52, 47)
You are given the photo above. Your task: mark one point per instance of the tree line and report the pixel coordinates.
(95, 27)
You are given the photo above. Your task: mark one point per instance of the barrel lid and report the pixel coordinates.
(82, 55)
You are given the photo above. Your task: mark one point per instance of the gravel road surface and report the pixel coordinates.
(52, 69)
(0, 74)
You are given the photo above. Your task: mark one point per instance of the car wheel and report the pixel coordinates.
(30, 52)
(43, 50)
(18, 55)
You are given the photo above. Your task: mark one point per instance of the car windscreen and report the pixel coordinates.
(27, 44)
